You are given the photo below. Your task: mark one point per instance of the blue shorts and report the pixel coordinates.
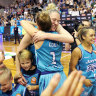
(89, 91)
(45, 79)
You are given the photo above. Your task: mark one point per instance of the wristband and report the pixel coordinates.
(75, 37)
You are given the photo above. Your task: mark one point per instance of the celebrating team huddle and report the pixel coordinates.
(39, 71)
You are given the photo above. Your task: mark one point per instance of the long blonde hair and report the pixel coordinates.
(51, 8)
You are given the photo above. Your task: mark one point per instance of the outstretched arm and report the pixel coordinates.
(23, 44)
(75, 36)
(29, 28)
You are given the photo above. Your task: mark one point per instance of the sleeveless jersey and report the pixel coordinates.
(18, 90)
(87, 63)
(48, 56)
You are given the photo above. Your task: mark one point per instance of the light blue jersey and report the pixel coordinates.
(49, 55)
(32, 78)
(87, 64)
(48, 62)
(18, 90)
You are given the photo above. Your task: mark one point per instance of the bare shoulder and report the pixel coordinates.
(77, 52)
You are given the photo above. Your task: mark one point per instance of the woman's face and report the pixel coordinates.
(90, 36)
(55, 18)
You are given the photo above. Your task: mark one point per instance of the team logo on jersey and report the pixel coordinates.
(91, 67)
(33, 80)
(18, 94)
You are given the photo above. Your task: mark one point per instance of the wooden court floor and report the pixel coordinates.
(9, 46)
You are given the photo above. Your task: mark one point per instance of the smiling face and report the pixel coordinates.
(89, 37)
(6, 85)
(25, 64)
(55, 18)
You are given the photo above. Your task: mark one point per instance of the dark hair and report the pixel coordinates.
(76, 24)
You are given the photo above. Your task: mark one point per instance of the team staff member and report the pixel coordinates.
(16, 34)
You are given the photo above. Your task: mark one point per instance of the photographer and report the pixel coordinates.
(77, 27)
(35, 10)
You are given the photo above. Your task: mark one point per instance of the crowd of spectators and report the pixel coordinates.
(27, 9)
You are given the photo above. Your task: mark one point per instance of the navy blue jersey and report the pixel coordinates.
(18, 90)
(31, 48)
(32, 77)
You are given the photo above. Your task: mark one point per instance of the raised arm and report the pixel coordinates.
(63, 36)
(77, 41)
(76, 37)
(33, 23)
(29, 28)
(23, 44)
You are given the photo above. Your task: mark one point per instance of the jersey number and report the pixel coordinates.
(53, 60)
